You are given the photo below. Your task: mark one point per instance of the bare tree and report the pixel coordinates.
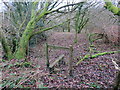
(26, 25)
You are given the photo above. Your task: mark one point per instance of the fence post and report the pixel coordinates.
(47, 58)
(70, 61)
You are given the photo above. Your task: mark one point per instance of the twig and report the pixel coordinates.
(116, 65)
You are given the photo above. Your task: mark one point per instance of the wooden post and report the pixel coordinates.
(47, 58)
(70, 61)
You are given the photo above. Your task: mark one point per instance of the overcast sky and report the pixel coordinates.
(64, 1)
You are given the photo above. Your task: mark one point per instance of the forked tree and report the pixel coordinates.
(27, 26)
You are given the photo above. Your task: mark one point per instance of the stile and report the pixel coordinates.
(59, 60)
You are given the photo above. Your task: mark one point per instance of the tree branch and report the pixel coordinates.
(46, 29)
(57, 10)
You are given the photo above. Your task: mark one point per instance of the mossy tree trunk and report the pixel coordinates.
(6, 47)
(24, 40)
(30, 30)
(115, 10)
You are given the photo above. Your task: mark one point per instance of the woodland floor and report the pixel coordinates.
(97, 72)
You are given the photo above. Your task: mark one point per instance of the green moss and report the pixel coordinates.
(24, 40)
(96, 55)
(6, 47)
(112, 7)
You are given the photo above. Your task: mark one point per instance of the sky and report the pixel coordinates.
(101, 2)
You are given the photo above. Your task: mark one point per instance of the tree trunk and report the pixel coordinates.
(21, 52)
(6, 47)
(24, 40)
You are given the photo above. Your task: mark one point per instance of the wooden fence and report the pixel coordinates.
(51, 67)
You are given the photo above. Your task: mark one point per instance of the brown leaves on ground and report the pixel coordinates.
(91, 73)
(97, 72)
(113, 33)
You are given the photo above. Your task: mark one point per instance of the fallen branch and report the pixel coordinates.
(96, 55)
(116, 65)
